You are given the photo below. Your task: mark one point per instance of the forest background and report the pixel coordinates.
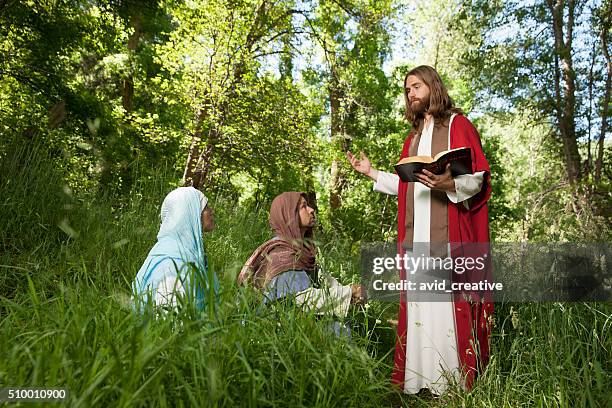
(105, 106)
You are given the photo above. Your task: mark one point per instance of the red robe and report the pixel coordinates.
(464, 226)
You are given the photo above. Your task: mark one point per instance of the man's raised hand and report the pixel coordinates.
(359, 294)
(362, 165)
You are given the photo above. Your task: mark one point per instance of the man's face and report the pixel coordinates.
(208, 219)
(418, 94)
(307, 214)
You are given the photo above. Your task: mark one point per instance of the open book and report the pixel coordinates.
(460, 160)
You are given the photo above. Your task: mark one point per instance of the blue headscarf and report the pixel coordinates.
(180, 242)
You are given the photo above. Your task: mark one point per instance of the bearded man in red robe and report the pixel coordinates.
(439, 342)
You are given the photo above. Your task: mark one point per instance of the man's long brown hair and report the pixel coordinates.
(440, 104)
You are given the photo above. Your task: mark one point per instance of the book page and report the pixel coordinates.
(442, 153)
(416, 159)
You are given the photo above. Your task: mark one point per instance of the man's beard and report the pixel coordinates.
(419, 106)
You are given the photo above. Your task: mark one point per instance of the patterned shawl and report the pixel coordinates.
(289, 250)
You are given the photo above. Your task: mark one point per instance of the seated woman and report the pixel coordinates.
(177, 268)
(285, 265)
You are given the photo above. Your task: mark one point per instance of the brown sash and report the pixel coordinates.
(439, 200)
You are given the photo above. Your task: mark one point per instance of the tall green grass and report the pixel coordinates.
(66, 321)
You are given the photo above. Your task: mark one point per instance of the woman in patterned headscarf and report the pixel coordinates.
(285, 265)
(176, 267)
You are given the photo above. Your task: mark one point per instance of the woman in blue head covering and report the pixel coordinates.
(176, 267)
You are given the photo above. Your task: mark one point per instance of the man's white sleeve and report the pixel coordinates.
(466, 186)
(333, 300)
(386, 183)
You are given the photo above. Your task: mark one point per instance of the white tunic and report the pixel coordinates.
(432, 360)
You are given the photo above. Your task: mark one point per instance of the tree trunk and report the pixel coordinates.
(194, 149)
(286, 60)
(203, 165)
(335, 181)
(566, 102)
(604, 111)
(589, 159)
(57, 114)
(311, 195)
(127, 97)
